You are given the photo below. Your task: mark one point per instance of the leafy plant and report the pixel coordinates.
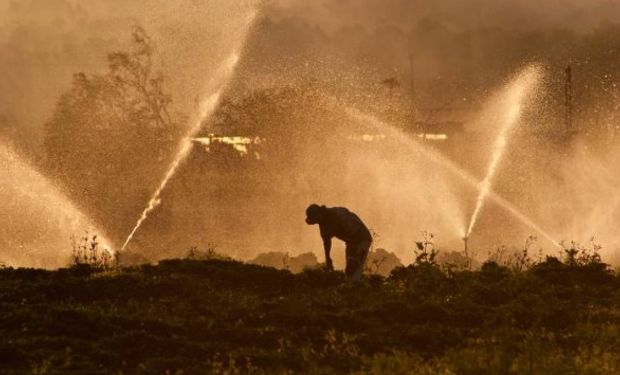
(521, 260)
(425, 251)
(86, 251)
(195, 253)
(575, 254)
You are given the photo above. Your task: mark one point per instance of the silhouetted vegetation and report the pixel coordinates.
(88, 253)
(222, 316)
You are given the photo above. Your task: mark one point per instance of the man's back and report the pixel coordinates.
(345, 225)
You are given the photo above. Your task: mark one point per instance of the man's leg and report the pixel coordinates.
(356, 254)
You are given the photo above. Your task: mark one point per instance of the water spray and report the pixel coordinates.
(498, 151)
(206, 110)
(28, 190)
(443, 162)
(524, 84)
(184, 151)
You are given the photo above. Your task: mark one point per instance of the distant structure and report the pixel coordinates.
(444, 126)
(435, 124)
(441, 123)
(283, 261)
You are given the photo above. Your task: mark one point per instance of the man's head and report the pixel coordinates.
(314, 214)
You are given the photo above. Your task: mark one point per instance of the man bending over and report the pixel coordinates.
(343, 224)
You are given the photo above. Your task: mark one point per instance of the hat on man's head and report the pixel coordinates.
(314, 213)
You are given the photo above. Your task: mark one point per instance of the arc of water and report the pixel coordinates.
(498, 151)
(443, 162)
(37, 187)
(523, 85)
(207, 108)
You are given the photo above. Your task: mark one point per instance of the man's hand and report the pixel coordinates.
(329, 265)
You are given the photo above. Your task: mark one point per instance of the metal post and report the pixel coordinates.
(466, 251)
(568, 101)
(412, 89)
(412, 79)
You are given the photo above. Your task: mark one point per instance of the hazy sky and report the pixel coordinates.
(521, 14)
(44, 42)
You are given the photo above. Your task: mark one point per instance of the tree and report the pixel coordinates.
(143, 89)
(111, 135)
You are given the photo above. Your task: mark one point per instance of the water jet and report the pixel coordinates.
(517, 91)
(205, 110)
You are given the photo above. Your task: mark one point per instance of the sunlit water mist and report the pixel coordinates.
(517, 92)
(444, 163)
(206, 109)
(40, 220)
(583, 203)
(454, 214)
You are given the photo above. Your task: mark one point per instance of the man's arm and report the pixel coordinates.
(327, 246)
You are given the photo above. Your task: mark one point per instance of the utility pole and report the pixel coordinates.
(412, 88)
(568, 101)
(412, 79)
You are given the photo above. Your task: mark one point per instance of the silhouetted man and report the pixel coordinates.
(341, 223)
